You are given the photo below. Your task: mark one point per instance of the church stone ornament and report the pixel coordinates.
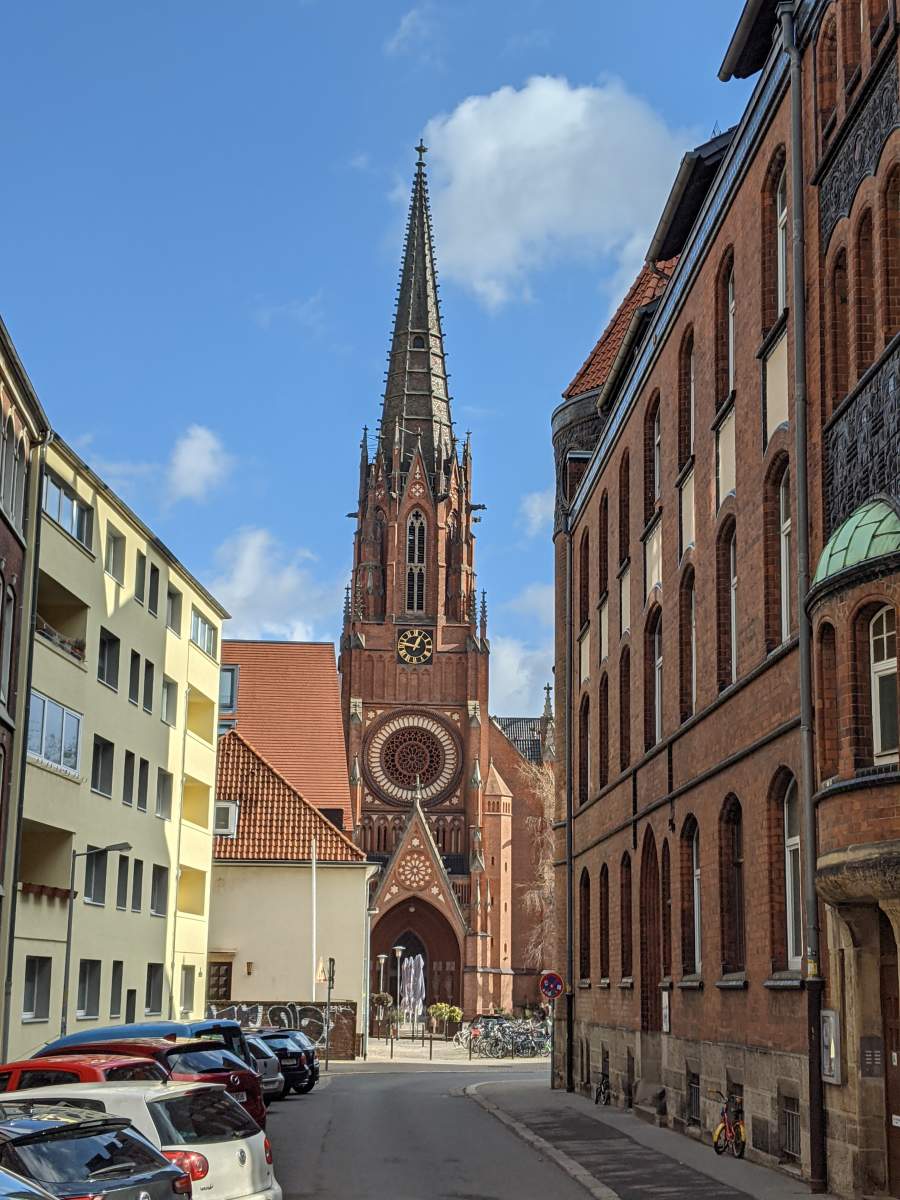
(412, 751)
(414, 871)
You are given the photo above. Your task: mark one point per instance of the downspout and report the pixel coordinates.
(184, 733)
(22, 720)
(818, 1171)
(570, 859)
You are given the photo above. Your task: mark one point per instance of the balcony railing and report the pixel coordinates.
(74, 647)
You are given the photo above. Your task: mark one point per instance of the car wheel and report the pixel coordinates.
(306, 1088)
(285, 1092)
(267, 1100)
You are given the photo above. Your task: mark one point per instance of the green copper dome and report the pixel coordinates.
(871, 532)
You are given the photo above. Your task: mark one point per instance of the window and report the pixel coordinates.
(89, 987)
(789, 1127)
(122, 882)
(137, 886)
(143, 784)
(102, 766)
(781, 247)
(853, 23)
(624, 514)
(603, 548)
(726, 464)
(9, 622)
(140, 576)
(688, 645)
(840, 331)
(584, 751)
(625, 931)
(891, 254)
(187, 988)
(825, 708)
(652, 457)
(653, 717)
(95, 875)
(114, 556)
(224, 727)
(731, 872)
(727, 605)
(226, 818)
(115, 990)
(153, 591)
(725, 328)
(604, 922)
(54, 733)
(784, 546)
(128, 778)
(108, 659)
(415, 562)
(173, 609)
(691, 948)
(63, 506)
(603, 747)
(686, 400)
(624, 709)
(163, 794)
(731, 314)
(148, 685)
(584, 580)
(625, 601)
(228, 680)
(584, 926)
(169, 701)
(203, 633)
(883, 647)
(693, 1091)
(865, 294)
(666, 906)
(36, 1001)
(159, 891)
(134, 678)
(218, 982)
(153, 996)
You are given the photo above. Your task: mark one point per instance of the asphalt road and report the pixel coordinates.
(406, 1133)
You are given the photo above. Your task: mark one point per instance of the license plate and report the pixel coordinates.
(289, 1062)
(240, 1096)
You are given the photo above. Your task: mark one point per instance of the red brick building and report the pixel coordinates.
(728, 569)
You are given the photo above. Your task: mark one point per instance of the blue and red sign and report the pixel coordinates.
(551, 985)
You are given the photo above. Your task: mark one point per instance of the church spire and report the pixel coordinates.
(415, 394)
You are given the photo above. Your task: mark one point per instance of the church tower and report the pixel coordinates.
(427, 801)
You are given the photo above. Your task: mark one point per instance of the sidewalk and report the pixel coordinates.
(616, 1156)
(445, 1054)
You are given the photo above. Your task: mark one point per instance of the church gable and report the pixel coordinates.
(416, 870)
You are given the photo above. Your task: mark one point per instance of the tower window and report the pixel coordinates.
(415, 563)
(418, 342)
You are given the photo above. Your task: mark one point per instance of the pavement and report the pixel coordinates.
(441, 1053)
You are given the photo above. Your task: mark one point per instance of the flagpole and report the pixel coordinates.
(313, 918)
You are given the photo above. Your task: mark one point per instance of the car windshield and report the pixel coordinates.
(282, 1042)
(74, 1158)
(202, 1116)
(259, 1048)
(198, 1061)
(233, 1038)
(302, 1039)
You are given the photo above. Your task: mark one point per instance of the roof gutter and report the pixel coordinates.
(751, 14)
(679, 187)
(619, 361)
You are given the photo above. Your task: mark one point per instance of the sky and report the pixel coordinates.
(202, 215)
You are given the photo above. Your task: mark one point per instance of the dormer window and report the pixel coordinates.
(226, 818)
(418, 342)
(415, 563)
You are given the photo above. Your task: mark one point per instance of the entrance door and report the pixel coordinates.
(890, 1016)
(412, 945)
(130, 1006)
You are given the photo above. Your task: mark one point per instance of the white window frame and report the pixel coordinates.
(793, 903)
(232, 672)
(883, 629)
(174, 600)
(94, 858)
(122, 893)
(781, 213)
(164, 805)
(203, 633)
(230, 828)
(657, 451)
(68, 714)
(161, 976)
(114, 554)
(169, 702)
(657, 681)
(97, 784)
(695, 892)
(731, 315)
(732, 604)
(39, 981)
(85, 980)
(158, 871)
(692, 397)
(784, 550)
(693, 632)
(81, 522)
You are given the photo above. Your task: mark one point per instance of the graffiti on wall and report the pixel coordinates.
(310, 1018)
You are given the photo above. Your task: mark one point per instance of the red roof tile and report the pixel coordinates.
(289, 709)
(274, 822)
(598, 364)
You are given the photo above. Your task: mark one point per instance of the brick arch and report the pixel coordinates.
(778, 788)
(650, 929)
(769, 238)
(731, 885)
(726, 266)
(439, 941)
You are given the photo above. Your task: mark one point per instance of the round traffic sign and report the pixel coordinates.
(551, 985)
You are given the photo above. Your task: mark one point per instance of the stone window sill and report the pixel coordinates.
(627, 984)
(691, 983)
(584, 983)
(784, 981)
(604, 983)
(734, 981)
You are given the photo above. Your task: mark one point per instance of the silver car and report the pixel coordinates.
(267, 1065)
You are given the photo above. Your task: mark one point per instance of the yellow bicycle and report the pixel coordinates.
(730, 1133)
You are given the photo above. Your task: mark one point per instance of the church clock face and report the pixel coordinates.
(409, 747)
(415, 646)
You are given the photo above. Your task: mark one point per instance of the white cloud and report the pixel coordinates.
(536, 511)
(536, 600)
(308, 313)
(199, 463)
(414, 33)
(550, 171)
(359, 162)
(518, 675)
(271, 591)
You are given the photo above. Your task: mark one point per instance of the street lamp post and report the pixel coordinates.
(398, 951)
(76, 854)
(381, 959)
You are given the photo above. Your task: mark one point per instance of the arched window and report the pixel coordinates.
(584, 926)
(793, 895)
(827, 701)
(603, 746)
(653, 697)
(9, 621)
(652, 457)
(603, 547)
(731, 876)
(774, 240)
(666, 907)
(891, 254)
(826, 77)
(687, 618)
(415, 563)
(9, 467)
(624, 515)
(691, 940)
(840, 331)
(726, 597)
(853, 23)
(625, 930)
(455, 837)
(865, 294)
(686, 400)
(418, 342)
(21, 483)
(584, 750)
(883, 659)
(440, 834)
(781, 216)
(624, 709)
(396, 832)
(784, 551)
(604, 922)
(726, 304)
(584, 580)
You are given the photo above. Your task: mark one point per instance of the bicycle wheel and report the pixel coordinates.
(739, 1145)
(720, 1139)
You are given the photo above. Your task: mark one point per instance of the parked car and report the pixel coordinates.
(80, 1068)
(293, 1060)
(190, 1060)
(305, 1042)
(267, 1066)
(197, 1126)
(228, 1032)
(14, 1187)
(76, 1152)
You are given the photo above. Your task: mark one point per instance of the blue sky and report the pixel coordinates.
(202, 213)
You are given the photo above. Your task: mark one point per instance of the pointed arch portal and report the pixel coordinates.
(421, 929)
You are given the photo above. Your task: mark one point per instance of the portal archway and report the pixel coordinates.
(422, 930)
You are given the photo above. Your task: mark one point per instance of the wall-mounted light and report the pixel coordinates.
(249, 968)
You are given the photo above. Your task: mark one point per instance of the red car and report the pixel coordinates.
(83, 1068)
(189, 1060)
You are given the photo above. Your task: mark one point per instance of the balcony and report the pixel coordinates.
(195, 804)
(191, 891)
(201, 716)
(61, 618)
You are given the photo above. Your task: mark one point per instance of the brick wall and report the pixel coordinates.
(297, 1014)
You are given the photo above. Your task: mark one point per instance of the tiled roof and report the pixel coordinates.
(598, 364)
(275, 823)
(525, 735)
(289, 709)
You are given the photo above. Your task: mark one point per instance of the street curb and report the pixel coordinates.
(573, 1169)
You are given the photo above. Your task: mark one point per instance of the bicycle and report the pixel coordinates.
(730, 1133)
(602, 1093)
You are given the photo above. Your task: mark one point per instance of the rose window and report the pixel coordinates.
(414, 871)
(412, 753)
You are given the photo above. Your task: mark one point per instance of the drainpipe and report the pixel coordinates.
(37, 508)
(570, 860)
(818, 1170)
(187, 703)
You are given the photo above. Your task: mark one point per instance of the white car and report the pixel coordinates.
(198, 1126)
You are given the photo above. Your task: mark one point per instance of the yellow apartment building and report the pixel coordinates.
(122, 722)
